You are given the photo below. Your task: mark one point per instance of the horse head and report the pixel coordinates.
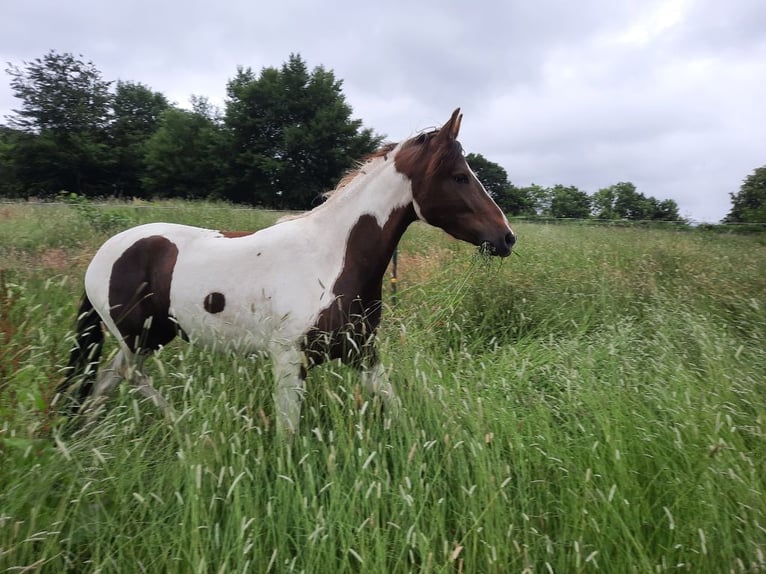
(447, 194)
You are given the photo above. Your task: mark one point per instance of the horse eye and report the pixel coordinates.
(460, 178)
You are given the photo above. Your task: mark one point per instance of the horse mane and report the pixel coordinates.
(351, 174)
(448, 156)
(415, 146)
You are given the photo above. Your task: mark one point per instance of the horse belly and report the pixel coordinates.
(243, 313)
(243, 328)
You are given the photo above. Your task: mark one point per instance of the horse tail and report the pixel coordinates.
(83, 359)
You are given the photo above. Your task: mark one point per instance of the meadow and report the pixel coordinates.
(596, 402)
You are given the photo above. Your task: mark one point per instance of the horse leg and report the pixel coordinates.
(289, 374)
(376, 383)
(126, 365)
(108, 378)
(143, 385)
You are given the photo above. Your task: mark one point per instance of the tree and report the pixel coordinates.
(64, 112)
(292, 135)
(602, 203)
(184, 157)
(629, 203)
(749, 204)
(494, 178)
(569, 202)
(60, 93)
(9, 141)
(540, 199)
(663, 210)
(136, 112)
(623, 201)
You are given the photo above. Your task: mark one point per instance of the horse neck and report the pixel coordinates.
(374, 209)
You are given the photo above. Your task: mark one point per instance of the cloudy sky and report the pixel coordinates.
(667, 94)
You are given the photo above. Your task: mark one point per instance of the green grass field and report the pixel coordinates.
(596, 403)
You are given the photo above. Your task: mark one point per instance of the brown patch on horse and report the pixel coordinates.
(139, 290)
(214, 302)
(418, 162)
(446, 192)
(344, 329)
(235, 234)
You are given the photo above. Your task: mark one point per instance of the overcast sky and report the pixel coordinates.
(668, 94)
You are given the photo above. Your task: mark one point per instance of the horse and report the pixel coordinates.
(305, 290)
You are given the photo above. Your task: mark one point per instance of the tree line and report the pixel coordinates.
(284, 136)
(619, 201)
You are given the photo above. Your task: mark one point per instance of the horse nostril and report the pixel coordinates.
(510, 239)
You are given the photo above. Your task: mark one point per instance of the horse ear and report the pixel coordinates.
(452, 128)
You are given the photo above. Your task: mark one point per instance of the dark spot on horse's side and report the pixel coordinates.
(235, 234)
(259, 254)
(139, 293)
(214, 302)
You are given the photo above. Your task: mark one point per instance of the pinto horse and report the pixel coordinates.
(303, 290)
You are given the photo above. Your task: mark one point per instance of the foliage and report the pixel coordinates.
(9, 182)
(494, 178)
(292, 135)
(101, 220)
(286, 135)
(623, 201)
(540, 198)
(749, 204)
(665, 210)
(629, 203)
(621, 431)
(619, 201)
(569, 202)
(60, 93)
(137, 111)
(185, 156)
(603, 203)
(64, 112)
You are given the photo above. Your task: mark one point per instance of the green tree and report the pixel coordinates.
(64, 112)
(603, 203)
(540, 199)
(748, 205)
(629, 203)
(184, 157)
(494, 178)
(60, 93)
(623, 201)
(662, 210)
(9, 141)
(569, 202)
(292, 135)
(136, 112)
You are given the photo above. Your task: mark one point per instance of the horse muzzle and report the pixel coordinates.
(500, 247)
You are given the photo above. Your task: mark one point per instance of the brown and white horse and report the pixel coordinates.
(303, 290)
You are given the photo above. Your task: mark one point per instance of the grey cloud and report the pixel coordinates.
(664, 93)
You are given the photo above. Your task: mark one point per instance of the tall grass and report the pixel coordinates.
(596, 403)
